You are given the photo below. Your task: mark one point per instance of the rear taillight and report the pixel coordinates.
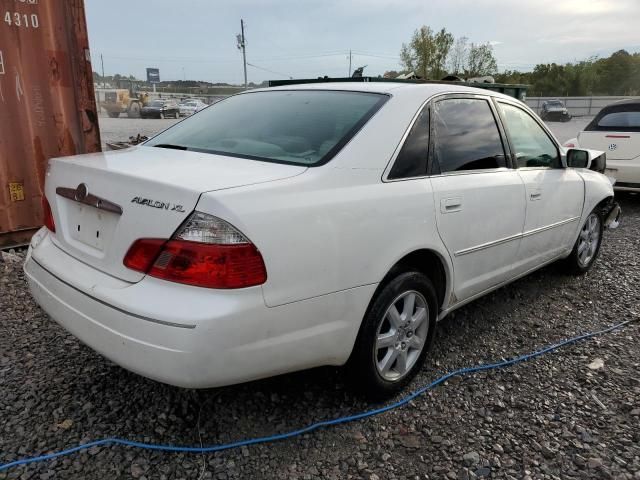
(205, 251)
(47, 214)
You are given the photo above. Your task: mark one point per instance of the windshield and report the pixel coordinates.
(301, 127)
(555, 104)
(156, 103)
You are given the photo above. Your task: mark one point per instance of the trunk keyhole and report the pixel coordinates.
(97, 233)
(78, 227)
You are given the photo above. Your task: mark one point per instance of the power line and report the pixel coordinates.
(377, 55)
(270, 71)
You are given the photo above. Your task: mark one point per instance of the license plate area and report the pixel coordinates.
(91, 226)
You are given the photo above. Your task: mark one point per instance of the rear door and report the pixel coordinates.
(479, 199)
(554, 195)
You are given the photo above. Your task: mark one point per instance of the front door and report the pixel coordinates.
(480, 202)
(554, 195)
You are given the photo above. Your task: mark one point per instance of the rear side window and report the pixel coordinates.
(621, 120)
(300, 127)
(532, 146)
(412, 159)
(622, 117)
(466, 136)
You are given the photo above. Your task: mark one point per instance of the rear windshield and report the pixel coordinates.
(300, 127)
(624, 118)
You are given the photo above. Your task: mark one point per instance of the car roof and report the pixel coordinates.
(394, 88)
(630, 101)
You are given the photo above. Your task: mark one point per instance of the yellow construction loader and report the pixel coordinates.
(124, 100)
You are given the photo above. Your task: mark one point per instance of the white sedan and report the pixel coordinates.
(295, 227)
(189, 107)
(616, 130)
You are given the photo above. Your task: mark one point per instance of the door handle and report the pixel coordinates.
(451, 204)
(535, 195)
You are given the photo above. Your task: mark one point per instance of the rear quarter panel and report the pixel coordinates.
(330, 229)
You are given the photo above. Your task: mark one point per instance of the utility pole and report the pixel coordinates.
(241, 46)
(102, 63)
(349, 62)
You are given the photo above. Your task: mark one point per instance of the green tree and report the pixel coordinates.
(480, 60)
(426, 54)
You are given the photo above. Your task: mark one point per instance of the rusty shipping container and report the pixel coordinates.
(47, 103)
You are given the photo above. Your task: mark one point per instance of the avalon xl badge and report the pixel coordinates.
(174, 207)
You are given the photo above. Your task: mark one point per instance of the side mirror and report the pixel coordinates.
(577, 158)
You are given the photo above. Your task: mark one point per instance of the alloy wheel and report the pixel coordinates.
(589, 240)
(401, 335)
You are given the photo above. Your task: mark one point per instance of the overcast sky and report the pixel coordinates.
(196, 39)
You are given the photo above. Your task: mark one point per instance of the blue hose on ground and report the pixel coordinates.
(318, 425)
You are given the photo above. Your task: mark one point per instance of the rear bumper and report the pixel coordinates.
(152, 114)
(188, 336)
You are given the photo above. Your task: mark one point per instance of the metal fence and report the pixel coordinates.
(577, 106)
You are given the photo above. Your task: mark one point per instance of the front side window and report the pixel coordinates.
(412, 159)
(466, 136)
(531, 144)
(299, 127)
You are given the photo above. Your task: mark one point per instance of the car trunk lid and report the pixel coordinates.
(103, 202)
(617, 145)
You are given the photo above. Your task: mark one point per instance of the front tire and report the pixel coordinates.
(395, 336)
(587, 246)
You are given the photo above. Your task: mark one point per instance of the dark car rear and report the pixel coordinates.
(160, 109)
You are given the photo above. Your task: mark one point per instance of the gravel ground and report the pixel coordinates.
(553, 417)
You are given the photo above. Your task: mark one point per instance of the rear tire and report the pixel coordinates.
(113, 114)
(587, 246)
(134, 110)
(395, 336)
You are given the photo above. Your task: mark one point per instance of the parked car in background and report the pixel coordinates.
(328, 224)
(160, 109)
(554, 110)
(189, 107)
(616, 130)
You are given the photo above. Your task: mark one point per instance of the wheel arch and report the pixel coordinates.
(429, 262)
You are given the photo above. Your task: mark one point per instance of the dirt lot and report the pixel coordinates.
(549, 418)
(120, 129)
